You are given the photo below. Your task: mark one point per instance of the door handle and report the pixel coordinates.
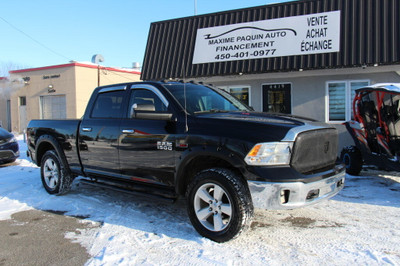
(87, 129)
(128, 131)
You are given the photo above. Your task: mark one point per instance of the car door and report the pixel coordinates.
(146, 147)
(98, 133)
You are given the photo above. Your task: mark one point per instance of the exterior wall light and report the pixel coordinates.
(50, 88)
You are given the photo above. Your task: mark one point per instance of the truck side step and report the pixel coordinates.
(129, 190)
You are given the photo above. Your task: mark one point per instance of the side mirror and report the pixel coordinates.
(141, 107)
(154, 116)
(148, 111)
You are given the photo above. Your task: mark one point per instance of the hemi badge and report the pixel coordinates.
(183, 145)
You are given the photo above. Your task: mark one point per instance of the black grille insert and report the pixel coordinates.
(314, 150)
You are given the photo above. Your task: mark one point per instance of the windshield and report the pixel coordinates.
(202, 99)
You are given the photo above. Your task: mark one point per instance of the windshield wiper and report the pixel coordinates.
(211, 111)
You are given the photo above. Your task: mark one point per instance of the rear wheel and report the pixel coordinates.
(352, 158)
(219, 204)
(56, 179)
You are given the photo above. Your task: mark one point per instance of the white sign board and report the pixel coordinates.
(298, 35)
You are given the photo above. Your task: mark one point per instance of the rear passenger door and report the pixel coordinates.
(146, 148)
(99, 133)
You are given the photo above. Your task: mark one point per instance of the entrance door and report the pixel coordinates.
(9, 115)
(277, 98)
(22, 114)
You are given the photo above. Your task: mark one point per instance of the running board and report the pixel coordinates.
(117, 188)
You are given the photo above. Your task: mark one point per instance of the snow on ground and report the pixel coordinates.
(358, 226)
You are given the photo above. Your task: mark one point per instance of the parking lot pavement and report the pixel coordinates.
(38, 238)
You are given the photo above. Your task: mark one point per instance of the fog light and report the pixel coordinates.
(285, 196)
(340, 183)
(312, 194)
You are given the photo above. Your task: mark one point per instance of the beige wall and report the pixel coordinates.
(75, 81)
(38, 86)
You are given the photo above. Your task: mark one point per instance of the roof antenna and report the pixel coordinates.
(184, 96)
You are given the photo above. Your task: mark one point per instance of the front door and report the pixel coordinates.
(277, 98)
(146, 148)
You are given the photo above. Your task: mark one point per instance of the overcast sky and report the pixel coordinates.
(42, 33)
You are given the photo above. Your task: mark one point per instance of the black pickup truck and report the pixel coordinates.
(173, 139)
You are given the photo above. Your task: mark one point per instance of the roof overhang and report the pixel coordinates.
(76, 64)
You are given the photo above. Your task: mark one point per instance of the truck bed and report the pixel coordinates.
(65, 132)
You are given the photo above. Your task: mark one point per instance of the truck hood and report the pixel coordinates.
(258, 117)
(254, 126)
(5, 135)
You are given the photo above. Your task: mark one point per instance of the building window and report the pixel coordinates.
(340, 95)
(242, 93)
(22, 101)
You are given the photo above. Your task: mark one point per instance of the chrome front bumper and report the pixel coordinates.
(291, 195)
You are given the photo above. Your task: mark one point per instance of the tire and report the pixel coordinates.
(222, 216)
(352, 158)
(56, 179)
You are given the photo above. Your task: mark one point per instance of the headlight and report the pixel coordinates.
(270, 153)
(13, 139)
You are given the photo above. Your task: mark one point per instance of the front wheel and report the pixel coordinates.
(56, 179)
(219, 204)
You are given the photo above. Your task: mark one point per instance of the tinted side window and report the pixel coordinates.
(108, 105)
(145, 100)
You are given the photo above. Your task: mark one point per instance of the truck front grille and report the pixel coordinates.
(315, 150)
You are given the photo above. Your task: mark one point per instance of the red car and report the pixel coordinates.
(375, 129)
